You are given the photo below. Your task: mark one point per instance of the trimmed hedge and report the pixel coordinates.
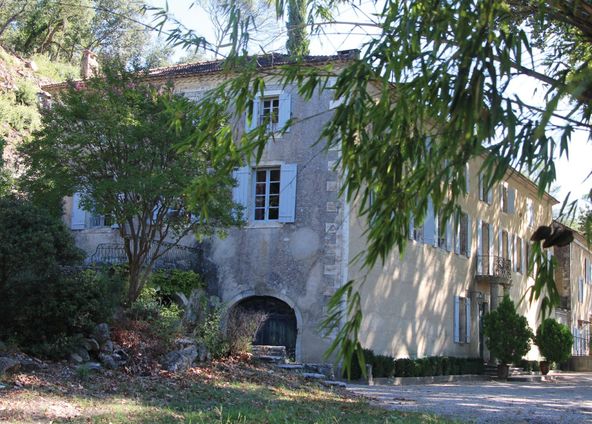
(386, 366)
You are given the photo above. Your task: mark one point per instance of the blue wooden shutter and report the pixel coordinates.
(479, 246)
(429, 226)
(469, 236)
(78, 218)
(287, 193)
(467, 179)
(411, 228)
(240, 193)
(449, 237)
(580, 290)
(481, 187)
(490, 196)
(511, 200)
(468, 318)
(285, 109)
(254, 123)
(457, 230)
(456, 319)
(524, 270)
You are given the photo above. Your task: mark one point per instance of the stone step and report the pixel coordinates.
(291, 367)
(264, 350)
(270, 359)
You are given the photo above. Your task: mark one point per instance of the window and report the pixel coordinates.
(504, 246)
(527, 257)
(530, 212)
(462, 319)
(507, 198)
(442, 232)
(464, 235)
(270, 112)
(518, 255)
(272, 109)
(81, 219)
(485, 194)
(267, 194)
(484, 232)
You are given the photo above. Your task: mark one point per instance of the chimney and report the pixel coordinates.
(349, 54)
(89, 65)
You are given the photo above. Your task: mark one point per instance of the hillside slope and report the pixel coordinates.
(20, 84)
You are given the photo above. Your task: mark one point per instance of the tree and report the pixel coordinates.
(297, 44)
(554, 340)
(507, 333)
(257, 15)
(111, 140)
(431, 90)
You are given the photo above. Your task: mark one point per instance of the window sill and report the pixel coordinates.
(264, 224)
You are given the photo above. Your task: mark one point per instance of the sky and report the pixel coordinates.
(572, 172)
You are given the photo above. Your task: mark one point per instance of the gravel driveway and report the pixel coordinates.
(568, 400)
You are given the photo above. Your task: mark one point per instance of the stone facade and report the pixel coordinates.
(427, 303)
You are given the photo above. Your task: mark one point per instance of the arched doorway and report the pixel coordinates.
(279, 327)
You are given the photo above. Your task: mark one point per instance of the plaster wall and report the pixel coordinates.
(408, 302)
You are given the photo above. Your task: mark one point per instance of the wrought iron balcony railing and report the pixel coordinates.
(181, 257)
(494, 269)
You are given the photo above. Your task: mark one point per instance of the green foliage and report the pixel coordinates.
(298, 43)
(554, 340)
(507, 333)
(165, 319)
(169, 282)
(437, 365)
(55, 70)
(210, 333)
(113, 135)
(44, 315)
(33, 245)
(25, 93)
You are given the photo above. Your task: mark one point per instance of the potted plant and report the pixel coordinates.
(507, 335)
(554, 341)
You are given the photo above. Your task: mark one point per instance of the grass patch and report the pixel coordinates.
(204, 395)
(55, 71)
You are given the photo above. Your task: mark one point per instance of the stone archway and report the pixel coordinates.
(281, 325)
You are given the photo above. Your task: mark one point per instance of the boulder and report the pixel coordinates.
(31, 65)
(3, 347)
(31, 364)
(107, 347)
(101, 333)
(180, 360)
(8, 364)
(91, 366)
(91, 345)
(196, 309)
(74, 357)
(108, 361)
(83, 353)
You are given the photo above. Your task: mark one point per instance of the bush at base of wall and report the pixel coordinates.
(437, 365)
(387, 366)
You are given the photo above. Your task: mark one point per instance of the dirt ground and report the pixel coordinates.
(567, 400)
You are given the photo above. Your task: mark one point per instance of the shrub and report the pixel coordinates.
(383, 366)
(26, 93)
(437, 365)
(209, 332)
(165, 320)
(45, 316)
(168, 282)
(507, 333)
(241, 328)
(554, 340)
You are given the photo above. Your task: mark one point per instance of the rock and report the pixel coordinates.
(101, 333)
(120, 356)
(3, 347)
(331, 383)
(92, 366)
(203, 354)
(108, 361)
(180, 299)
(29, 365)
(91, 345)
(195, 311)
(74, 357)
(107, 347)
(313, 376)
(83, 353)
(8, 364)
(325, 369)
(180, 360)
(31, 65)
